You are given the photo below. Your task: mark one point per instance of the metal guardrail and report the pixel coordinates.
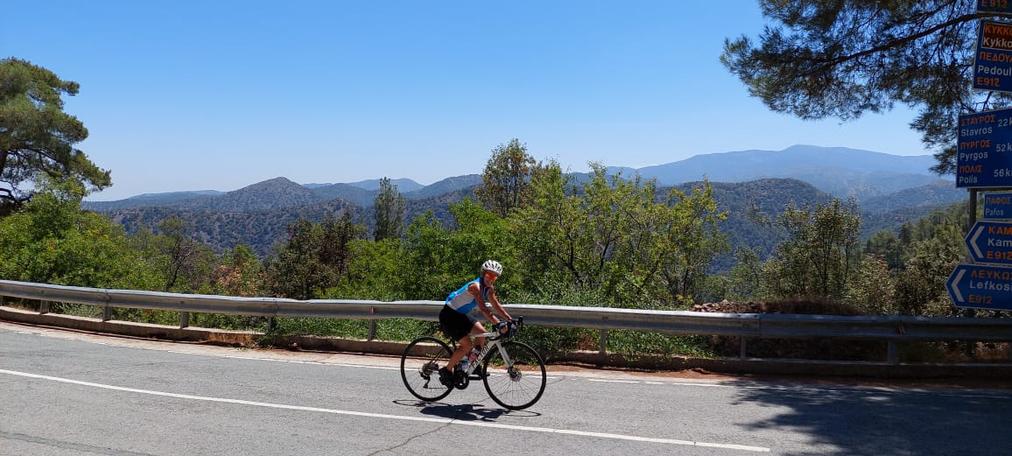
(891, 329)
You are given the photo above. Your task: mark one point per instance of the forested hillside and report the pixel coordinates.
(752, 210)
(261, 229)
(225, 230)
(940, 193)
(259, 214)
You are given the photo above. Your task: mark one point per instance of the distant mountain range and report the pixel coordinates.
(889, 190)
(281, 193)
(403, 185)
(839, 171)
(842, 172)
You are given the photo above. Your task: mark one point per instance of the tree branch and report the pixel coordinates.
(904, 40)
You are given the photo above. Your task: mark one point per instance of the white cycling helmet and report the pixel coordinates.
(492, 265)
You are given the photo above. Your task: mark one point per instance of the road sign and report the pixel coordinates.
(992, 61)
(998, 205)
(977, 286)
(990, 242)
(994, 6)
(984, 149)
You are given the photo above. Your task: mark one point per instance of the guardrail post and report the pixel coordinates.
(107, 313)
(892, 357)
(603, 344)
(742, 352)
(184, 319)
(372, 324)
(43, 307)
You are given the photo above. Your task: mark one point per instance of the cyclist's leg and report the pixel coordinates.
(456, 326)
(463, 345)
(476, 330)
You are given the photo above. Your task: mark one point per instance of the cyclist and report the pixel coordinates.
(462, 311)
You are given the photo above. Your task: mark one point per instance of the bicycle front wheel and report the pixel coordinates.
(420, 365)
(517, 380)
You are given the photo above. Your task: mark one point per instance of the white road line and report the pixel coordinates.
(638, 382)
(707, 385)
(602, 435)
(293, 361)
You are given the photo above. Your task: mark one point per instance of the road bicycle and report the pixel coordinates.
(513, 373)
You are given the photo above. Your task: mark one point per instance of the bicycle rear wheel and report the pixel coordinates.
(518, 384)
(420, 365)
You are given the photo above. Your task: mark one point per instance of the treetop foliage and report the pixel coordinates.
(50, 240)
(389, 206)
(506, 179)
(36, 136)
(842, 58)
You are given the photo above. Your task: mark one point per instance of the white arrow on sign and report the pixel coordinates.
(955, 286)
(973, 242)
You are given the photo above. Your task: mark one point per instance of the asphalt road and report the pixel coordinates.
(64, 393)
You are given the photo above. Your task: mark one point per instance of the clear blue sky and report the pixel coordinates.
(217, 95)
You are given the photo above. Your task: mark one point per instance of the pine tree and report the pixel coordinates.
(36, 136)
(844, 58)
(389, 206)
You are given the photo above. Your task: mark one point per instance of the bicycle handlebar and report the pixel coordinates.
(514, 328)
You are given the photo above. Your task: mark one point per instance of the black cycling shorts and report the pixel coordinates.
(454, 324)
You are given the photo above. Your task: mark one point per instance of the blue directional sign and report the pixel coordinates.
(984, 154)
(994, 6)
(998, 205)
(992, 61)
(990, 242)
(977, 286)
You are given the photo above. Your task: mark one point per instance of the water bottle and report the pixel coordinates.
(463, 364)
(473, 356)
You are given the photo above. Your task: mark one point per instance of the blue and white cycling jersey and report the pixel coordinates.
(463, 302)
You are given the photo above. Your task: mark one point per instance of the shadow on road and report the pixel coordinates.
(464, 412)
(849, 421)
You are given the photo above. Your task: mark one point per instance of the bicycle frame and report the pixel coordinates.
(492, 340)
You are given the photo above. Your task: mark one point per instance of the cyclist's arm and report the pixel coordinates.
(482, 305)
(497, 306)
